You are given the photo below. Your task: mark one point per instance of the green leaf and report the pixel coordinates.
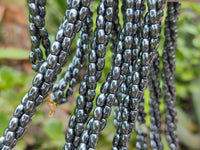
(53, 129)
(14, 53)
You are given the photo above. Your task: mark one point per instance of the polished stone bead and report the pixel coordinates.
(80, 102)
(38, 79)
(93, 140)
(9, 138)
(33, 93)
(19, 111)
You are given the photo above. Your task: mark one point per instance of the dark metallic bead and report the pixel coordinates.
(19, 111)
(24, 120)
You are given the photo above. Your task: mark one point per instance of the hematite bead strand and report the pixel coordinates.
(141, 66)
(43, 31)
(155, 96)
(121, 141)
(104, 101)
(121, 138)
(41, 85)
(114, 40)
(36, 55)
(58, 95)
(96, 64)
(168, 74)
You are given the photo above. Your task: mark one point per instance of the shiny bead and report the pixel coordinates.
(109, 14)
(18, 111)
(9, 138)
(106, 112)
(100, 63)
(104, 87)
(79, 129)
(88, 107)
(91, 69)
(84, 136)
(113, 86)
(49, 75)
(108, 27)
(92, 56)
(83, 88)
(110, 100)
(13, 124)
(100, 36)
(91, 82)
(66, 43)
(101, 9)
(93, 140)
(38, 79)
(80, 102)
(45, 88)
(101, 100)
(59, 37)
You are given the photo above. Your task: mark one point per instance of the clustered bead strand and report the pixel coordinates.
(96, 64)
(155, 95)
(42, 82)
(173, 10)
(36, 24)
(149, 36)
(104, 100)
(78, 62)
(116, 32)
(43, 31)
(123, 113)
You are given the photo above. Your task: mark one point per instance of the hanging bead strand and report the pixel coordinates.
(96, 64)
(78, 62)
(173, 10)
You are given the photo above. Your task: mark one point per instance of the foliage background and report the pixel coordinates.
(48, 133)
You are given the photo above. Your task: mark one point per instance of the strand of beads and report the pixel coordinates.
(155, 95)
(173, 10)
(78, 62)
(131, 28)
(96, 64)
(38, 32)
(149, 43)
(44, 79)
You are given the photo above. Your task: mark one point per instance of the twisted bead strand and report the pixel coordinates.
(96, 64)
(173, 10)
(78, 62)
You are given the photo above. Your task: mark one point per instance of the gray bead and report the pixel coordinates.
(19, 111)
(69, 146)
(97, 113)
(80, 102)
(79, 129)
(13, 124)
(83, 88)
(106, 112)
(9, 138)
(33, 93)
(93, 140)
(101, 99)
(25, 119)
(38, 79)
(73, 15)
(84, 137)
